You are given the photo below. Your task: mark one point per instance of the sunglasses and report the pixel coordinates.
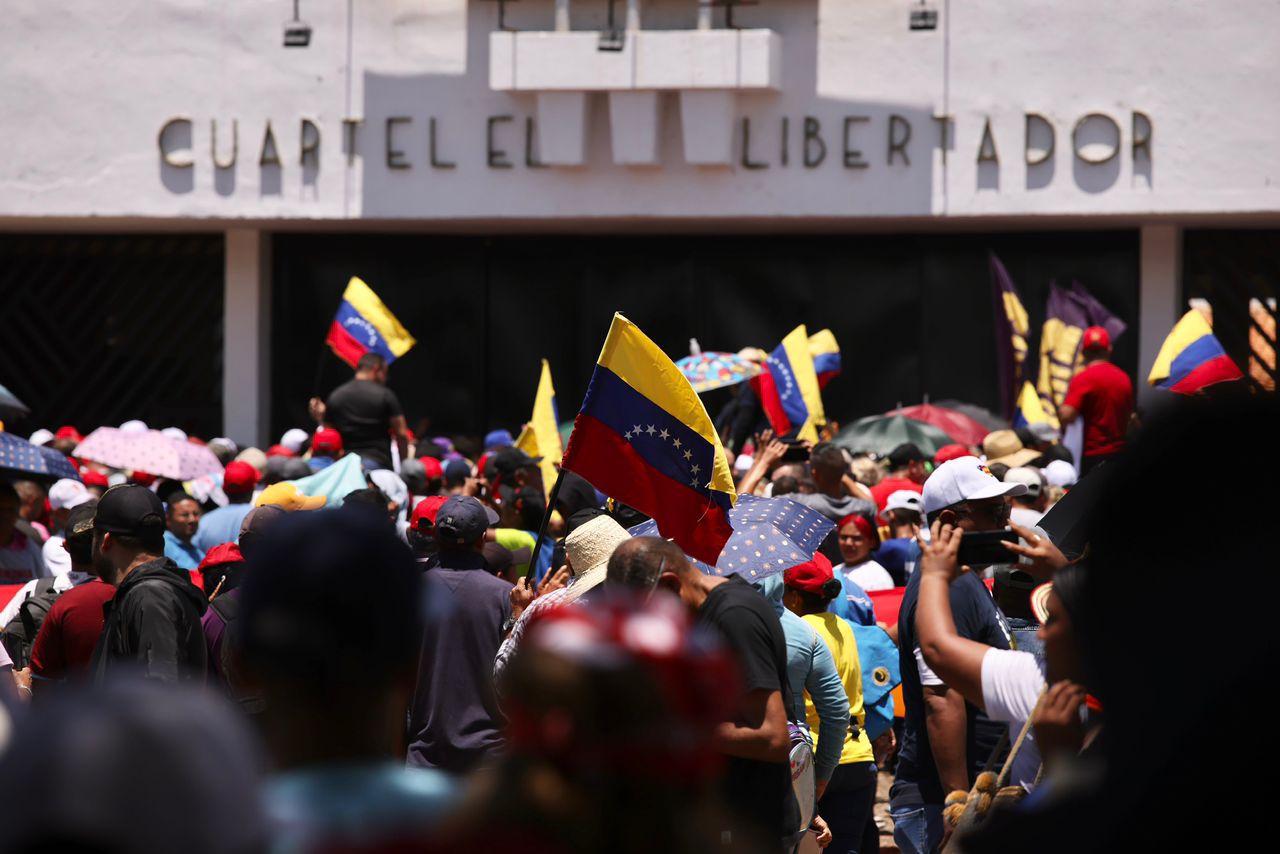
(998, 512)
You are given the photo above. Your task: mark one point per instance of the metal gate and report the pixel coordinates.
(98, 329)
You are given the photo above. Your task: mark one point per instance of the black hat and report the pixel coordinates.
(508, 461)
(131, 510)
(907, 452)
(80, 519)
(462, 520)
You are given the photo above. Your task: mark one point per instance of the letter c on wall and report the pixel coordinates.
(165, 154)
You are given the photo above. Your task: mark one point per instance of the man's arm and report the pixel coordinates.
(1067, 414)
(767, 456)
(400, 430)
(760, 732)
(944, 719)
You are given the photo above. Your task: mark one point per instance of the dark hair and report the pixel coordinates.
(785, 485)
(174, 499)
(639, 562)
(531, 506)
(371, 362)
(828, 459)
(903, 516)
(80, 546)
(998, 470)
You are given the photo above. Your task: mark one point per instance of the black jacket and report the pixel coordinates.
(153, 626)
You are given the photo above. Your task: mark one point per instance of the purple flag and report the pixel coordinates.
(1067, 315)
(1098, 314)
(1011, 334)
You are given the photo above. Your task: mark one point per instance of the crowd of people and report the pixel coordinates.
(240, 666)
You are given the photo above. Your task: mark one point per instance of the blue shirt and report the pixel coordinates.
(221, 526)
(894, 555)
(185, 555)
(811, 668)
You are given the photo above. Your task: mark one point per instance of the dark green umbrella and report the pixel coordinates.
(880, 434)
(11, 409)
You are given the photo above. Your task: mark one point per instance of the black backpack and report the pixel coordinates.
(19, 636)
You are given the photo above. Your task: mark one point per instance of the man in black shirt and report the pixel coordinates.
(757, 744)
(366, 413)
(946, 741)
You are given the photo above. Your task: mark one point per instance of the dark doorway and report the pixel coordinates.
(99, 329)
(912, 313)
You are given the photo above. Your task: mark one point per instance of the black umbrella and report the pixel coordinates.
(11, 409)
(1069, 522)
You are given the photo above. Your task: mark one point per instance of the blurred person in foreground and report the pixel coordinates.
(132, 767)
(153, 623)
(334, 701)
(1146, 786)
(847, 801)
(613, 717)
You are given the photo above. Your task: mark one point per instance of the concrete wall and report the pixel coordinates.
(86, 89)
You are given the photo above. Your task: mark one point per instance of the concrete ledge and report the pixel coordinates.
(657, 59)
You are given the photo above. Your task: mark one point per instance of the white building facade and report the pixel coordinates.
(540, 117)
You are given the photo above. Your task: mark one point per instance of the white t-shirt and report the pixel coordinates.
(1025, 516)
(1011, 684)
(869, 575)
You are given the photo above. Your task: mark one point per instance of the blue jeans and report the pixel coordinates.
(917, 829)
(1024, 634)
(847, 807)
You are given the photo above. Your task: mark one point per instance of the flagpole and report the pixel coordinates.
(546, 520)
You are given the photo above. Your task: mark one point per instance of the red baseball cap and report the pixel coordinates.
(239, 478)
(432, 467)
(66, 431)
(280, 451)
(325, 442)
(426, 510)
(220, 554)
(94, 478)
(810, 576)
(950, 452)
(1095, 338)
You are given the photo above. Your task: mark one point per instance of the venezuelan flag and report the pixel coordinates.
(644, 438)
(1192, 358)
(541, 436)
(789, 389)
(826, 356)
(364, 325)
(1031, 409)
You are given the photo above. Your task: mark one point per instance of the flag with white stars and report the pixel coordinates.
(770, 535)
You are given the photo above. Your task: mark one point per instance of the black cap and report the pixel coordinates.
(131, 510)
(907, 452)
(80, 519)
(462, 520)
(508, 461)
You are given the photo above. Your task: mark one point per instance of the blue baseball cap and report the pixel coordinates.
(462, 520)
(498, 439)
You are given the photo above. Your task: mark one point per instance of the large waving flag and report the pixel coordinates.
(826, 356)
(541, 436)
(364, 325)
(1191, 357)
(1012, 326)
(788, 388)
(644, 438)
(1030, 409)
(1068, 314)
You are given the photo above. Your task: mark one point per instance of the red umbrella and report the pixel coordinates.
(957, 425)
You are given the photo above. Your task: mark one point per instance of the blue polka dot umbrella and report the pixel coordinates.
(21, 460)
(710, 370)
(770, 535)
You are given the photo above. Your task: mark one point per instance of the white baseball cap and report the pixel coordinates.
(41, 436)
(134, 426)
(904, 499)
(1030, 477)
(294, 438)
(67, 493)
(964, 479)
(1060, 473)
(175, 433)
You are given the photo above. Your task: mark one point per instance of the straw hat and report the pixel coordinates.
(1004, 446)
(1040, 602)
(589, 548)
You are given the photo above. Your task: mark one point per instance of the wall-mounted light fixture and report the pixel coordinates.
(924, 16)
(612, 37)
(297, 32)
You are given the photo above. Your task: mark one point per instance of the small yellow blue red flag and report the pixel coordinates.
(788, 388)
(826, 356)
(1191, 357)
(364, 325)
(644, 438)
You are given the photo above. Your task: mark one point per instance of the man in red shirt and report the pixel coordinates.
(906, 471)
(1102, 394)
(64, 645)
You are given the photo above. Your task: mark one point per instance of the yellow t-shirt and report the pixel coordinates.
(839, 638)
